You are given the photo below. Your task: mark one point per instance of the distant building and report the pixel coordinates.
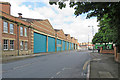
(86, 45)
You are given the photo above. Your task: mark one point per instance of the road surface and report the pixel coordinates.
(69, 64)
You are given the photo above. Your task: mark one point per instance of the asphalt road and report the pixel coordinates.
(69, 64)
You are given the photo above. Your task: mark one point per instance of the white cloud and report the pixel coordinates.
(61, 19)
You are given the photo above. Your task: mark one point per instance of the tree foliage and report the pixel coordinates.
(107, 13)
(105, 32)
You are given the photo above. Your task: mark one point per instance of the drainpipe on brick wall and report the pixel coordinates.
(18, 37)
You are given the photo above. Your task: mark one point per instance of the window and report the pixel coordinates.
(26, 45)
(21, 31)
(11, 44)
(25, 31)
(21, 45)
(5, 27)
(5, 44)
(11, 28)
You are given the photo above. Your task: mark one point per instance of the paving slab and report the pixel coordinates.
(103, 66)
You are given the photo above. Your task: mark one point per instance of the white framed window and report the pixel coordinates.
(11, 28)
(21, 31)
(26, 45)
(25, 32)
(11, 44)
(21, 45)
(5, 44)
(5, 27)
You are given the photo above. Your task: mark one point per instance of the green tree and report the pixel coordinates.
(102, 10)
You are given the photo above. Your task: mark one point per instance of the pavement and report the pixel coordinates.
(15, 58)
(103, 66)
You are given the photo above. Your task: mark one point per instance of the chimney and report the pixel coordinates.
(5, 7)
(20, 15)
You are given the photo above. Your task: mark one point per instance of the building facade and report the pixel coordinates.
(24, 36)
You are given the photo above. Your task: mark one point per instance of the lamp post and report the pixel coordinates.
(92, 30)
(88, 41)
(92, 34)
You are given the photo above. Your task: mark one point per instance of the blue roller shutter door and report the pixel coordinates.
(70, 46)
(67, 46)
(59, 43)
(39, 43)
(51, 44)
(63, 46)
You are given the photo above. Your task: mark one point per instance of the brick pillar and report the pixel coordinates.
(47, 44)
(115, 53)
(18, 42)
(101, 50)
(30, 35)
(32, 41)
(118, 57)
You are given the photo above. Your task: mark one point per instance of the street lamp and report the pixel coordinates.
(92, 33)
(92, 30)
(88, 42)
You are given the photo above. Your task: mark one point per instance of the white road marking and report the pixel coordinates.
(58, 72)
(96, 59)
(51, 78)
(88, 72)
(66, 68)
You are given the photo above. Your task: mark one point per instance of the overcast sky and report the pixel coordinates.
(60, 19)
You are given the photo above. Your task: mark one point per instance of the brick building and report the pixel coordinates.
(24, 36)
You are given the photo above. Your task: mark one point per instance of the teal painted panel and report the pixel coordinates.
(63, 46)
(67, 46)
(70, 46)
(39, 43)
(59, 43)
(51, 44)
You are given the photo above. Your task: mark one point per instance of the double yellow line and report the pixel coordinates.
(85, 65)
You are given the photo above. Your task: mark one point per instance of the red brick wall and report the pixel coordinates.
(60, 34)
(106, 51)
(68, 38)
(5, 7)
(43, 27)
(73, 40)
(14, 37)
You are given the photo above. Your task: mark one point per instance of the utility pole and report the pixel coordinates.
(92, 34)
(88, 41)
